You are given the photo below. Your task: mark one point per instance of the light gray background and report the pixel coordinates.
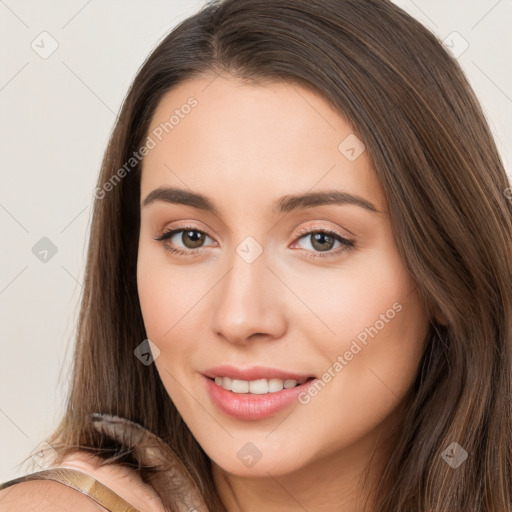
(56, 115)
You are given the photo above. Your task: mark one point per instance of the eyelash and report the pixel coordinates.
(346, 243)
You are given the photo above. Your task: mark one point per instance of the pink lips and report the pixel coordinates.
(254, 373)
(248, 406)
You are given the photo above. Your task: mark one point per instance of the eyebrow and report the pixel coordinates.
(284, 204)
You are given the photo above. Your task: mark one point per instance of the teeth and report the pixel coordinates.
(257, 387)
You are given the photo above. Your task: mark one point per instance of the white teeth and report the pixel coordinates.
(257, 387)
(240, 386)
(275, 385)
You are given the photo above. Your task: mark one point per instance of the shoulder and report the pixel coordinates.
(45, 496)
(124, 481)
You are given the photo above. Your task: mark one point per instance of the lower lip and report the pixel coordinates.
(248, 406)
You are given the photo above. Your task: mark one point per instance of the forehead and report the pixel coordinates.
(215, 131)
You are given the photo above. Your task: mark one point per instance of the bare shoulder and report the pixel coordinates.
(124, 481)
(49, 495)
(45, 496)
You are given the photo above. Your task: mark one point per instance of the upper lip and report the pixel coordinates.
(252, 373)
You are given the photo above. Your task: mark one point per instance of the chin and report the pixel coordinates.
(271, 461)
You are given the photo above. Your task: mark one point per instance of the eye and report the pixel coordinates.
(191, 237)
(323, 240)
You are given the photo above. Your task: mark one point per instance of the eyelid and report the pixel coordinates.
(171, 232)
(347, 243)
(322, 227)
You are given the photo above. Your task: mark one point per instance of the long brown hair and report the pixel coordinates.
(408, 100)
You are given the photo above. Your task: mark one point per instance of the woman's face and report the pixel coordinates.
(257, 284)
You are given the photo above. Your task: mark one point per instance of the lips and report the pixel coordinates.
(253, 373)
(253, 407)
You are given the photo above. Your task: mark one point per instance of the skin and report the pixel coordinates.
(244, 147)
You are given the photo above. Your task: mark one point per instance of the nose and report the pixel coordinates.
(249, 302)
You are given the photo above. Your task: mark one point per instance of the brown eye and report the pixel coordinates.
(322, 241)
(191, 239)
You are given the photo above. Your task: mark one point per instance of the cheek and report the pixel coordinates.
(166, 292)
(174, 305)
(381, 354)
(153, 298)
(164, 296)
(374, 321)
(372, 364)
(344, 302)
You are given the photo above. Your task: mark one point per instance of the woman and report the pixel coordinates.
(223, 362)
